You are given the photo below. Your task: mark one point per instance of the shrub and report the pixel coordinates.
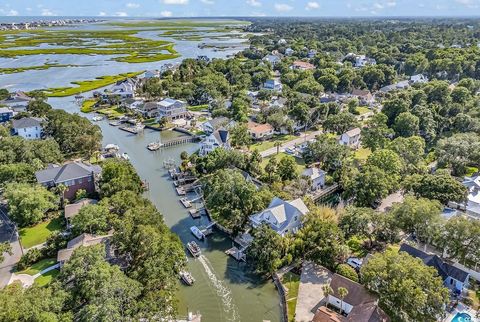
(347, 271)
(29, 258)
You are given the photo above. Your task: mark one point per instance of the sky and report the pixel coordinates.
(217, 8)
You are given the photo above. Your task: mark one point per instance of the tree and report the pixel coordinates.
(271, 170)
(376, 133)
(460, 239)
(239, 135)
(440, 186)
(388, 161)
(342, 292)
(277, 144)
(408, 289)
(28, 204)
(368, 186)
(16, 172)
(356, 221)
(92, 219)
(406, 124)
(5, 248)
(38, 108)
(327, 152)
(266, 249)
(327, 290)
(411, 150)
(340, 123)
(287, 168)
(119, 175)
(458, 151)
(348, 272)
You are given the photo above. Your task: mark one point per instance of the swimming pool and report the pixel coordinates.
(462, 317)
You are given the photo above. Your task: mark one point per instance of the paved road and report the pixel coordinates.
(7, 233)
(290, 144)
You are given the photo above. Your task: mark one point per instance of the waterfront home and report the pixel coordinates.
(472, 205)
(453, 277)
(73, 175)
(301, 65)
(260, 131)
(152, 74)
(272, 59)
(124, 88)
(29, 128)
(71, 210)
(149, 110)
(214, 124)
(85, 240)
(282, 216)
(218, 139)
(358, 305)
(172, 109)
(17, 101)
(316, 177)
(5, 114)
(351, 138)
(364, 96)
(273, 85)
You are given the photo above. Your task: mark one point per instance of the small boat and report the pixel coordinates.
(115, 123)
(187, 278)
(185, 202)
(125, 156)
(97, 118)
(112, 147)
(154, 146)
(197, 232)
(181, 191)
(194, 249)
(79, 97)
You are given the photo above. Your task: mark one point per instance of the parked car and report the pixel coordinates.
(290, 151)
(355, 262)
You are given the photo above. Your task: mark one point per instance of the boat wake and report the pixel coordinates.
(222, 291)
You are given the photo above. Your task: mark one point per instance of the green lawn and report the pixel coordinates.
(471, 171)
(362, 110)
(38, 234)
(362, 154)
(46, 278)
(87, 105)
(300, 162)
(111, 112)
(265, 145)
(292, 282)
(39, 266)
(198, 108)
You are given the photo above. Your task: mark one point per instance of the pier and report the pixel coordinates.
(180, 140)
(324, 193)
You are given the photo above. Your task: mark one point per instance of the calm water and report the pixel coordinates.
(224, 290)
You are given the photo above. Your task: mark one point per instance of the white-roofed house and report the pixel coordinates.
(218, 139)
(419, 78)
(316, 176)
(172, 109)
(351, 138)
(272, 59)
(282, 216)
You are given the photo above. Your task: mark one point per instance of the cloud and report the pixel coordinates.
(166, 13)
(12, 13)
(132, 5)
(283, 7)
(182, 2)
(121, 14)
(391, 4)
(209, 2)
(312, 5)
(47, 12)
(254, 3)
(468, 3)
(102, 14)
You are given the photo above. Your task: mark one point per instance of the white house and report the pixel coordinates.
(152, 74)
(419, 78)
(272, 59)
(282, 216)
(472, 206)
(125, 88)
(289, 51)
(273, 85)
(351, 138)
(316, 176)
(29, 128)
(172, 109)
(218, 139)
(149, 109)
(214, 124)
(362, 61)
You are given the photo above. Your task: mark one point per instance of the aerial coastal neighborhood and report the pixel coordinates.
(336, 162)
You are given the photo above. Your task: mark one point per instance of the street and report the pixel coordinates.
(7, 233)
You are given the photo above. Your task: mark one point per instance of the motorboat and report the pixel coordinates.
(154, 146)
(185, 202)
(194, 249)
(125, 156)
(197, 232)
(112, 147)
(187, 278)
(97, 118)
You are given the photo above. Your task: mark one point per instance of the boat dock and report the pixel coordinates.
(131, 129)
(186, 203)
(180, 140)
(238, 254)
(181, 191)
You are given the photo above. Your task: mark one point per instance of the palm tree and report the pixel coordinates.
(60, 189)
(327, 290)
(342, 292)
(278, 144)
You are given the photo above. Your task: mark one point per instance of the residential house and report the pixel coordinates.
(152, 74)
(17, 101)
(260, 131)
(357, 306)
(278, 102)
(282, 216)
(214, 124)
(472, 205)
(218, 139)
(149, 110)
(419, 78)
(316, 176)
(73, 175)
(397, 86)
(172, 109)
(85, 240)
(282, 42)
(272, 59)
(124, 88)
(301, 65)
(362, 61)
(453, 277)
(363, 96)
(273, 85)
(29, 128)
(312, 53)
(71, 210)
(351, 138)
(289, 52)
(5, 114)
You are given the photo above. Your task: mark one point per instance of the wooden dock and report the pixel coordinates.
(195, 213)
(238, 254)
(180, 140)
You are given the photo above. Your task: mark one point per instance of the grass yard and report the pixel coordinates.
(300, 162)
(265, 145)
(471, 171)
(362, 110)
(292, 282)
(362, 154)
(39, 266)
(198, 108)
(111, 112)
(46, 278)
(38, 234)
(87, 105)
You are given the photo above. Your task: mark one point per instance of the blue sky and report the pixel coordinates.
(188, 8)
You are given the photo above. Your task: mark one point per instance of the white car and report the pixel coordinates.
(355, 262)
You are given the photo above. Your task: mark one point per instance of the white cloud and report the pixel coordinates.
(28, 9)
(182, 2)
(254, 3)
(468, 3)
(312, 5)
(166, 13)
(12, 13)
(121, 14)
(209, 2)
(391, 4)
(47, 12)
(283, 7)
(102, 14)
(132, 5)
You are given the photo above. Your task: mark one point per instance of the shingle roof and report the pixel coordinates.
(66, 172)
(357, 294)
(82, 240)
(221, 135)
(282, 211)
(72, 210)
(444, 269)
(27, 122)
(313, 173)
(353, 132)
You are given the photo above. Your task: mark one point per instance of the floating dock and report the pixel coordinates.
(181, 191)
(236, 253)
(195, 213)
(185, 202)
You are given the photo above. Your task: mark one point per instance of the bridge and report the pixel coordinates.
(328, 191)
(179, 140)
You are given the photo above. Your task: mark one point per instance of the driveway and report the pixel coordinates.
(290, 144)
(310, 293)
(7, 233)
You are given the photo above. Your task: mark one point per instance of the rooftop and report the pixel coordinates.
(66, 172)
(27, 122)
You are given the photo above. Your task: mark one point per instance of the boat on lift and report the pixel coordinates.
(197, 232)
